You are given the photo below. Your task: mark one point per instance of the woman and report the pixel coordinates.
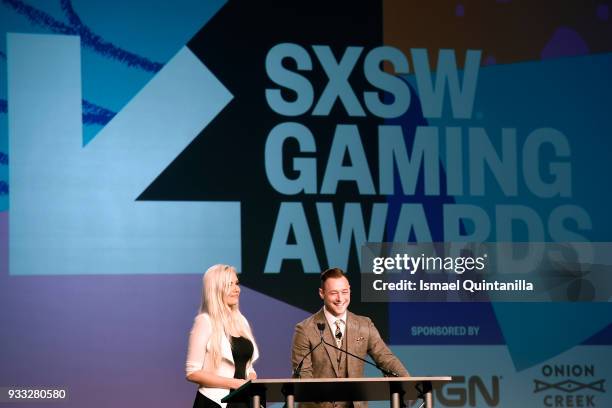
(221, 345)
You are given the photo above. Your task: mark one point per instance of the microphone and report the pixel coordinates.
(296, 372)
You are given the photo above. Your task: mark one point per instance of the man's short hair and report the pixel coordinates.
(331, 273)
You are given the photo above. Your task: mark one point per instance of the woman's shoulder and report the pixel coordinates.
(202, 319)
(245, 320)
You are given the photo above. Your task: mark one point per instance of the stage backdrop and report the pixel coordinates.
(143, 141)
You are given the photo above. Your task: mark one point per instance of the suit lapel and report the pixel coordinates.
(327, 336)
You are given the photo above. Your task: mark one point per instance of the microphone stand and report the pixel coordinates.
(387, 373)
(296, 372)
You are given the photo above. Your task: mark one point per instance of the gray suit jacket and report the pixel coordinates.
(361, 338)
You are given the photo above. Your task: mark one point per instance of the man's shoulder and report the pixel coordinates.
(358, 318)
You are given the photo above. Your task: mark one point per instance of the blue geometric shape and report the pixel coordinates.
(536, 332)
(123, 46)
(74, 208)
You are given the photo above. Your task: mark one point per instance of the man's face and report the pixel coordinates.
(336, 295)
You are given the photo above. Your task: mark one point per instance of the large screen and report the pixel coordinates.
(142, 142)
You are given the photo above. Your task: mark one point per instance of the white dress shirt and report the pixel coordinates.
(331, 320)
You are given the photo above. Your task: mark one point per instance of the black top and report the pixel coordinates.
(242, 351)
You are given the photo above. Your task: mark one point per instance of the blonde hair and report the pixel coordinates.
(225, 320)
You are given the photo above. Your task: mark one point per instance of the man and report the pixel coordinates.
(353, 333)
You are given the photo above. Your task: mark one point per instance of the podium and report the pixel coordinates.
(292, 390)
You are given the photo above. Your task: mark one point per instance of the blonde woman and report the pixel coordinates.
(221, 345)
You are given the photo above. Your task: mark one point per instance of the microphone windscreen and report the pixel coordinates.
(321, 326)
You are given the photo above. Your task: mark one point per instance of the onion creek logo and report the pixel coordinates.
(569, 385)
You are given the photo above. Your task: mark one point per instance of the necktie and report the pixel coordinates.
(338, 333)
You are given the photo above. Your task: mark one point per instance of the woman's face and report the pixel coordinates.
(230, 297)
